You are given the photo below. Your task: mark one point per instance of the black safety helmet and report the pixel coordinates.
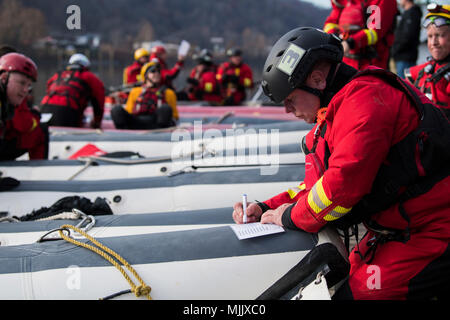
(205, 57)
(292, 58)
(232, 52)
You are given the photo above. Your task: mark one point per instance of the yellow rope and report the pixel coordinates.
(141, 290)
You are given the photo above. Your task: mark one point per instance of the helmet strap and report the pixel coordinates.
(339, 75)
(316, 92)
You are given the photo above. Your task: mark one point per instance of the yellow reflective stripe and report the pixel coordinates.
(375, 35)
(317, 198)
(294, 191)
(247, 82)
(336, 213)
(318, 201)
(312, 204)
(208, 87)
(34, 125)
(321, 193)
(372, 36)
(330, 26)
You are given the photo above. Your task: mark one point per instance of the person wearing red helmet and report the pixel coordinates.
(20, 127)
(433, 76)
(367, 30)
(159, 54)
(378, 156)
(235, 77)
(69, 93)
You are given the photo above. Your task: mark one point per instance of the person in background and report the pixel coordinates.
(433, 76)
(159, 54)
(235, 77)
(202, 82)
(4, 49)
(130, 73)
(379, 156)
(366, 28)
(69, 93)
(151, 106)
(407, 34)
(20, 128)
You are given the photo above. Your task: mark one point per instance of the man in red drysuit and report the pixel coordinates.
(378, 156)
(433, 76)
(130, 73)
(367, 30)
(202, 82)
(235, 77)
(168, 75)
(20, 127)
(69, 93)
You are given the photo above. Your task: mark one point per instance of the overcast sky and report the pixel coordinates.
(321, 3)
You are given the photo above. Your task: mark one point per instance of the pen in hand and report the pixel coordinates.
(244, 206)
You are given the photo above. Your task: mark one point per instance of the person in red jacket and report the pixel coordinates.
(367, 28)
(159, 54)
(20, 128)
(130, 73)
(235, 77)
(433, 76)
(378, 156)
(70, 91)
(202, 82)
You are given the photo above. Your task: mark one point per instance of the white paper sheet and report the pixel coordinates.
(183, 49)
(256, 229)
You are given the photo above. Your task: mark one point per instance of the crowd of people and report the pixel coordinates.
(378, 154)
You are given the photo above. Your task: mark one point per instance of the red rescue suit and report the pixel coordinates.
(234, 80)
(74, 89)
(24, 133)
(168, 75)
(131, 72)
(204, 85)
(364, 120)
(433, 79)
(368, 27)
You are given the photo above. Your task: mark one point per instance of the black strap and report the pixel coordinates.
(440, 73)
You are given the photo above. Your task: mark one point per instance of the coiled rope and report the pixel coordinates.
(139, 290)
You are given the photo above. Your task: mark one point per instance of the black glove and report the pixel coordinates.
(230, 78)
(192, 81)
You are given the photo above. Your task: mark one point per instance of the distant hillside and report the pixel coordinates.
(121, 22)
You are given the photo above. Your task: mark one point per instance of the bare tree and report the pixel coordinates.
(20, 25)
